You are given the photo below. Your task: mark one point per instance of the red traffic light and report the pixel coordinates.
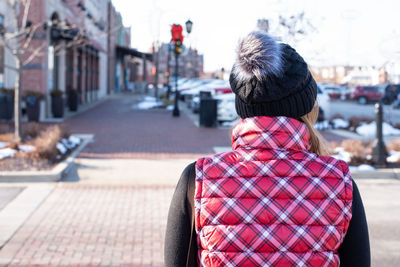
(176, 32)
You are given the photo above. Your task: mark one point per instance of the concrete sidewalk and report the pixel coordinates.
(111, 209)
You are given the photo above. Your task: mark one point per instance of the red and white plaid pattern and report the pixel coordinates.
(270, 202)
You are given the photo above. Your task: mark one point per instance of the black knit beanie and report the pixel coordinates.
(271, 79)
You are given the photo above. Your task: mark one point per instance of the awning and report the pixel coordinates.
(122, 51)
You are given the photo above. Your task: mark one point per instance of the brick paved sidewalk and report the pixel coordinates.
(123, 132)
(92, 225)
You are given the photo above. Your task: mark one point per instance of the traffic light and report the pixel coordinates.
(177, 38)
(178, 46)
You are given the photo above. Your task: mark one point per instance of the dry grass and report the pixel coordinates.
(354, 122)
(360, 150)
(46, 142)
(393, 145)
(337, 116)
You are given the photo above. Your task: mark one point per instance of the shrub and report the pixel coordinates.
(32, 130)
(337, 116)
(56, 93)
(354, 122)
(9, 91)
(46, 142)
(37, 94)
(394, 145)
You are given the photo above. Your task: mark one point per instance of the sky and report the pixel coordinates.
(354, 32)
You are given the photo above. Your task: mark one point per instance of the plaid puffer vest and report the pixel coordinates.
(270, 202)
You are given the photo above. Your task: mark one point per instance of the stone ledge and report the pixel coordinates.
(52, 175)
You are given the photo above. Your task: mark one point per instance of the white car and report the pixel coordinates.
(324, 104)
(226, 110)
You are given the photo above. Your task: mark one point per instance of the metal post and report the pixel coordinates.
(379, 152)
(176, 112)
(169, 70)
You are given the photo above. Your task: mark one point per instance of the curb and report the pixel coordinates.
(18, 210)
(52, 175)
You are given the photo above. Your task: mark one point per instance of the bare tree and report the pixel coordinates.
(18, 41)
(292, 28)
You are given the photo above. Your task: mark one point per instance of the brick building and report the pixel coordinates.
(7, 74)
(84, 48)
(190, 63)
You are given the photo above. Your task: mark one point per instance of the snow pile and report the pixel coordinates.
(370, 129)
(341, 154)
(394, 156)
(71, 142)
(148, 102)
(339, 123)
(321, 125)
(26, 148)
(362, 168)
(67, 144)
(7, 153)
(3, 144)
(61, 148)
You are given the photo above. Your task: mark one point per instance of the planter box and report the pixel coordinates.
(57, 106)
(73, 101)
(6, 107)
(33, 108)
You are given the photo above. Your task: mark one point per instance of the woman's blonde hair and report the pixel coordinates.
(317, 143)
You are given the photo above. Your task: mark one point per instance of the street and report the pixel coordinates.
(111, 209)
(349, 109)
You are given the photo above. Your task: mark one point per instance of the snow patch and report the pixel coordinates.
(370, 129)
(394, 156)
(3, 144)
(74, 140)
(26, 148)
(148, 102)
(362, 168)
(7, 153)
(170, 107)
(339, 123)
(321, 125)
(61, 148)
(341, 154)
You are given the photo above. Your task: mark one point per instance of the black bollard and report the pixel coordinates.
(379, 152)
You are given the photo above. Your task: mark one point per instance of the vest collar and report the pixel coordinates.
(271, 133)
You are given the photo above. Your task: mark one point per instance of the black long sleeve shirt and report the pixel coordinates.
(354, 251)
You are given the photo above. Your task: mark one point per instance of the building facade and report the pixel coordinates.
(190, 63)
(76, 46)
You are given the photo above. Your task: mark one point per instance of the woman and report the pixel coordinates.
(276, 199)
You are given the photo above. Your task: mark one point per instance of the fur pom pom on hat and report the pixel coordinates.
(271, 79)
(258, 55)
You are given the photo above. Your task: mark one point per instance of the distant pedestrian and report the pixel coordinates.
(277, 199)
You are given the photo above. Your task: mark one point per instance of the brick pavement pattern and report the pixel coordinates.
(124, 132)
(96, 225)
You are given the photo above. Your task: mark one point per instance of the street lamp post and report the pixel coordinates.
(177, 39)
(379, 152)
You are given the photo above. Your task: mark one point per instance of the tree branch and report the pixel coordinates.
(34, 53)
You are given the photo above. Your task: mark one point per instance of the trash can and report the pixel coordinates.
(205, 94)
(208, 112)
(3, 106)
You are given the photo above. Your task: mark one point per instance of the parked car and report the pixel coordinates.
(390, 91)
(365, 94)
(324, 104)
(226, 110)
(335, 91)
